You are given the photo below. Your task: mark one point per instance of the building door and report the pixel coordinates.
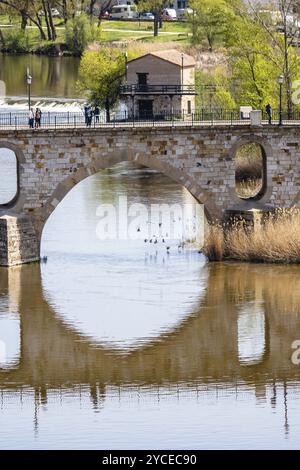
(145, 109)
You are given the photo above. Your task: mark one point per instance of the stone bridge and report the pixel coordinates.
(202, 159)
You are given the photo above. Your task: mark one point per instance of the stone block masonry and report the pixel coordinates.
(18, 242)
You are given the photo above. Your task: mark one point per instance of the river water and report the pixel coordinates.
(121, 343)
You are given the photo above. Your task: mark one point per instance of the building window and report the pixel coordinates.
(189, 107)
(142, 78)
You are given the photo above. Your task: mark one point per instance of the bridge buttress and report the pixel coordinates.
(18, 241)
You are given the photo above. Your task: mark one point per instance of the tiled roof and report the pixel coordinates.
(173, 56)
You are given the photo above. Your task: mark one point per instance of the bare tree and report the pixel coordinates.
(27, 10)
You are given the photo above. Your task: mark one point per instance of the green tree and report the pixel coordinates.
(210, 20)
(101, 75)
(257, 62)
(79, 32)
(156, 8)
(28, 10)
(214, 89)
(282, 43)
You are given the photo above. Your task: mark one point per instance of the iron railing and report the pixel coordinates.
(202, 117)
(157, 90)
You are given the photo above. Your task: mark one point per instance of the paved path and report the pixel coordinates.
(113, 30)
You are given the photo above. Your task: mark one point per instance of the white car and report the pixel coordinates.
(169, 14)
(55, 13)
(146, 16)
(183, 13)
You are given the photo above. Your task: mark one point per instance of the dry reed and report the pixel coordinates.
(275, 240)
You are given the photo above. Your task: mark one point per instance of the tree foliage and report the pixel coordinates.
(101, 75)
(79, 32)
(210, 20)
(156, 7)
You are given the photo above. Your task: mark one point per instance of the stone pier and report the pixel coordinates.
(18, 241)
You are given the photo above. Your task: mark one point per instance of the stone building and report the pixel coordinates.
(160, 83)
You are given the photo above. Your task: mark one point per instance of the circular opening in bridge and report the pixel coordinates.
(250, 174)
(9, 176)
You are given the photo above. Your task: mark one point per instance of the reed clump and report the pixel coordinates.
(275, 240)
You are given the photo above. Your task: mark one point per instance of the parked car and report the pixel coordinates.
(169, 14)
(146, 16)
(183, 13)
(55, 13)
(105, 15)
(125, 12)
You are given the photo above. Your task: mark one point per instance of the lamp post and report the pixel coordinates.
(182, 60)
(126, 61)
(29, 82)
(280, 81)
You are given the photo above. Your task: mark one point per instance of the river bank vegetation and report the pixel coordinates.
(275, 240)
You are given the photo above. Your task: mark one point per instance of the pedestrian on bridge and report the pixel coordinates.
(269, 112)
(89, 117)
(38, 117)
(97, 113)
(31, 119)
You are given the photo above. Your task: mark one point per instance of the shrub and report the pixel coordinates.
(79, 33)
(16, 42)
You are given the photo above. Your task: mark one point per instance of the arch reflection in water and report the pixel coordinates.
(251, 333)
(10, 329)
(195, 367)
(10, 340)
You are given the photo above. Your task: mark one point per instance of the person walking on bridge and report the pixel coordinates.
(31, 119)
(269, 112)
(97, 114)
(38, 117)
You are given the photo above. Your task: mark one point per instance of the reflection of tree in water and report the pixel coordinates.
(52, 76)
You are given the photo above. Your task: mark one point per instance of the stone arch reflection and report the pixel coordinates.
(10, 321)
(251, 332)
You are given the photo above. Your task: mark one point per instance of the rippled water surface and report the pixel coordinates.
(125, 344)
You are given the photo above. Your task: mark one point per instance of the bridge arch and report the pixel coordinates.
(127, 155)
(264, 194)
(18, 158)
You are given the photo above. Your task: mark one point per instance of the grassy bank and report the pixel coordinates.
(109, 32)
(276, 240)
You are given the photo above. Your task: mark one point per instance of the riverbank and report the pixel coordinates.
(276, 240)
